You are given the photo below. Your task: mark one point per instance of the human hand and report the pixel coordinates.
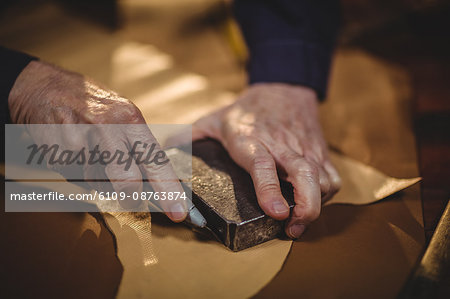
(45, 94)
(273, 130)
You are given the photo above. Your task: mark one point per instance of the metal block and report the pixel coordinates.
(224, 194)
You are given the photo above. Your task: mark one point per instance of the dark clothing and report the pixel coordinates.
(12, 63)
(289, 41)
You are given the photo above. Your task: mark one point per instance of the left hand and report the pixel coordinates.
(273, 130)
(47, 94)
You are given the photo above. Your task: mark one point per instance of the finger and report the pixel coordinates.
(157, 170)
(324, 182)
(314, 153)
(335, 179)
(259, 163)
(304, 177)
(125, 179)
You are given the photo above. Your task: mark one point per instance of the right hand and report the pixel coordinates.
(45, 94)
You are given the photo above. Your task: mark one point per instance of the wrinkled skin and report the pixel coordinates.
(45, 94)
(273, 130)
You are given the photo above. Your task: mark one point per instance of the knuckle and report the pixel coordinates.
(287, 157)
(156, 168)
(308, 171)
(131, 113)
(262, 162)
(268, 187)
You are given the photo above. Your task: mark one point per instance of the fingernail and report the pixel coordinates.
(279, 207)
(178, 212)
(296, 230)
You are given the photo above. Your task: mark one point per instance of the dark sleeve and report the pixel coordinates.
(12, 63)
(289, 41)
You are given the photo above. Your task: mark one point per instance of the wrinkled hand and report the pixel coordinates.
(45, 94)
(273, 130)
